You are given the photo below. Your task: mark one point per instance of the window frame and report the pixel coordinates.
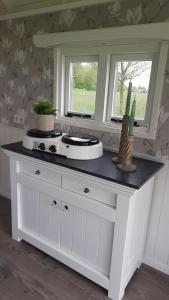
(68, 80)
(112, 82)
(105, 51)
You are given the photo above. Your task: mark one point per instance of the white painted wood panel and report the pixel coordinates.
(7, 135)
(29, 210)
(66, 232)
(157, 246)
(78, 246)
(49, 219)
(92, 239)
(86, 236)
(105, 240)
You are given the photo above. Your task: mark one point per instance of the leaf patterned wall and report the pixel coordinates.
(26, 72)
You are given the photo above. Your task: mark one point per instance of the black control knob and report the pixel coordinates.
(52, 148)
(86, 190)
(37, 172)
(41, 146)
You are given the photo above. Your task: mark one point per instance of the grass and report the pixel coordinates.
(84, 101)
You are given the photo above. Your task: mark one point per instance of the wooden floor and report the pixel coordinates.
(27, 273)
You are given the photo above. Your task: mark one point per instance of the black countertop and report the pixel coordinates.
(101, 167)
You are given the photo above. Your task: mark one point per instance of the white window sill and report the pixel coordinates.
(140, 132)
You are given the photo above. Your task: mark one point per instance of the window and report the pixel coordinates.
(81, 83)
(92, 80)
(137, 69)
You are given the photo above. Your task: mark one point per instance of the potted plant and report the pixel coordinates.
(45, 115)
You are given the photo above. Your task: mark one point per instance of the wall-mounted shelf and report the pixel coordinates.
(157, 31)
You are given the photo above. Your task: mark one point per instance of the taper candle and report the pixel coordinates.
(132, 116)
(128, 99)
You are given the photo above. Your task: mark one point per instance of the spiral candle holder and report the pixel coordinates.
(126, 161)
(123, 140)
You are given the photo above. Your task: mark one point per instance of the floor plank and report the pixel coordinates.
(27, 273)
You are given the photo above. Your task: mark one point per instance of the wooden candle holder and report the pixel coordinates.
(126, 161)
(123, 140)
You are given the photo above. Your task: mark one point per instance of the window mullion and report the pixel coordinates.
(163, 54)
(57, 70)
(149, 104)
(112, 89)
(102, 87)
(67, 84)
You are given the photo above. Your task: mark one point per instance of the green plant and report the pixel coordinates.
(44, 108)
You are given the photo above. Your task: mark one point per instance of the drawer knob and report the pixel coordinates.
(54, 202)
(86, 190)
(37, 172)
(66, 207)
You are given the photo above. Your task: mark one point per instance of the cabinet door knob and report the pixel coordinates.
(37, 172)
(54, 202)
(66, 207)
(86, 190)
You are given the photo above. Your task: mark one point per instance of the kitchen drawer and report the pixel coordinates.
(40, 172)
(89, 190)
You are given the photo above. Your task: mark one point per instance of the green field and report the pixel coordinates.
(84, 101)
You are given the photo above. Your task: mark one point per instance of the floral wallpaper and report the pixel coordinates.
(26, 72)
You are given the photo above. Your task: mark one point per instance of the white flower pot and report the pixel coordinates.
(45, 122)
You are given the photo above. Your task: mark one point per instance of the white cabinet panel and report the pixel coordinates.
(79, 232)
(92, 239)
(106, 242)
(157, 245)
(66, 224)
(29, 200)
(49, 219)
(86, 236)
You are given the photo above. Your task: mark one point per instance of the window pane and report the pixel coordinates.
(139, 73)
(83, 87)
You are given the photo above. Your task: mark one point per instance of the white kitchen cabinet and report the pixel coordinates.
(94, 226)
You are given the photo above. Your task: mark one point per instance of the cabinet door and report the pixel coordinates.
(87, 237)
(49, 218)
(39, 214)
